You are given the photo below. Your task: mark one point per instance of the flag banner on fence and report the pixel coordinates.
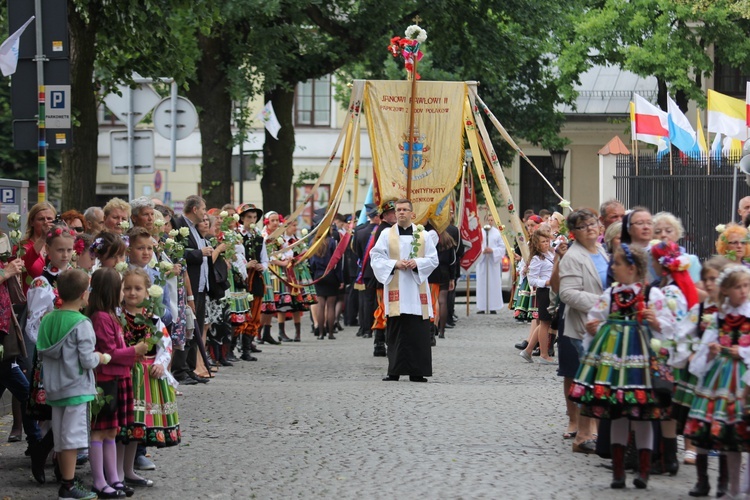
(9, 50)
(471, 230)
(681, 133)
(438, 140)
(656, 140)
(727, 115)
(702, 144)
(649, 119)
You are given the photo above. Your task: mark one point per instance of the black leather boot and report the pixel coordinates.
(702, 488)
(232, 346)
(267, 335)
(246, 356)
(722, 486)
(39, 453)
(297, 332)
(669, 456)
(282, 333)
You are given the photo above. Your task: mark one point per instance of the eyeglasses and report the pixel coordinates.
(647, 223)
(586, 227)
(78, 229)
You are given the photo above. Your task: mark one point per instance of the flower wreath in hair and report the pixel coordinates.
(669, 256)
(672, 260)
(97, 246)
(731, 270)
(58, 231)
(268, 214)
(79, 246)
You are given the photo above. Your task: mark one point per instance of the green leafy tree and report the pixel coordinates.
(109, 41)
(672, 40)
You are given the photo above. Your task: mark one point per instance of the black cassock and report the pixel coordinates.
(409, 352)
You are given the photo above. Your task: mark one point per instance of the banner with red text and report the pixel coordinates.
(471, 229)
(438, 140)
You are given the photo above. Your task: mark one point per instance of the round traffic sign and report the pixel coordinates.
(187, 118)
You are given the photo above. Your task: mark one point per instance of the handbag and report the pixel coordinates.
(12, 341)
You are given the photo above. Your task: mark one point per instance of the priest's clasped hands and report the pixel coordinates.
(406, 264)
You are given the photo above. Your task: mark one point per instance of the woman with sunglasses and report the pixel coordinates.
(74, 220)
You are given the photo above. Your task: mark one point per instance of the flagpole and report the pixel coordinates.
(41, 123)
(708, 162)
(409, 165)
(670, 158)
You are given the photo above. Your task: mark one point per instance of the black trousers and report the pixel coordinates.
(200, 318)
(451, 305)
(368, 311)
(351, 310)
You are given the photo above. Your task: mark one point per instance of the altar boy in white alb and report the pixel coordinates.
(402, 259)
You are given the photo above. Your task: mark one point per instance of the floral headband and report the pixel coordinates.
(729, 271)
(669, 256)
(58, 231)
(628, 254)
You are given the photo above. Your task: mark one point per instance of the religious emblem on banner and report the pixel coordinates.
(421, 149)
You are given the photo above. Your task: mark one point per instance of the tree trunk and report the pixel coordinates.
(79, 163)
(278, 163)
(210, 93)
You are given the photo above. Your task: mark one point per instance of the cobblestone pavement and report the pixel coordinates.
(314, 420)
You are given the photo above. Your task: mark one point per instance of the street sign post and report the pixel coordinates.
(136, 160)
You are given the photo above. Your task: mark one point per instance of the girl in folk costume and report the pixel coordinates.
(115, 380)
(539, 272)
(688, 338)
(716, 420)
(41, 298)
(615, 380)
(273, 286)
(155, 418)
(299, 298)
(524, 300)
(680, 293)
(84, 258)
(306, 296)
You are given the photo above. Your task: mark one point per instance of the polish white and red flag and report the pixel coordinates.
(649, 119)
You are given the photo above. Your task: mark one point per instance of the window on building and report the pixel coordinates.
(313, 103)
(730, 81)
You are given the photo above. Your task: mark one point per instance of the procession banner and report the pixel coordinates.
(438, 140)
(471, 230)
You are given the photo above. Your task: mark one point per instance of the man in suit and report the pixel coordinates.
(199, 268)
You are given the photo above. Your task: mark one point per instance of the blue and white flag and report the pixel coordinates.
(9, 50)
(681, 133)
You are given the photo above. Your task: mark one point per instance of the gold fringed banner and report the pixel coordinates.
(438, 144)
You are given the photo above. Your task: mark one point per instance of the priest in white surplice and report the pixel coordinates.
(490, 271)
(402, 259)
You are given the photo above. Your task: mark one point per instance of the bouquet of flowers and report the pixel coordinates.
(408, 47)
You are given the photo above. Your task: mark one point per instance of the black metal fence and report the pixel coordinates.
(697, 190)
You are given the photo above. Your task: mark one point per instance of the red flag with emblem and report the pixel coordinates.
(471, 230)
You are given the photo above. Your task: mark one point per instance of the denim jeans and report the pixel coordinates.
(14, 380)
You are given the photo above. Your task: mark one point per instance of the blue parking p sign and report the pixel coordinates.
(7, 196)
(57, 115)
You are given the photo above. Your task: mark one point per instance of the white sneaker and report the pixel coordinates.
(543, 361)
(525, 355)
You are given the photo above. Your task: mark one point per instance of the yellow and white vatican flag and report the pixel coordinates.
(438, 140)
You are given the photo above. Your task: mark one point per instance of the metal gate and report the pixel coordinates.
(687, 189)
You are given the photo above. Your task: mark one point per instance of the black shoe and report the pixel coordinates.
(491, 312)
(441, 335)
(226, 362)
(139, 482)
(115, 493)
(522, 345)
(390, 378)
(551, 352)
(359, 333)
(380, 351)
(247, 357)
(231, 357)
(480, 312)
(254, 348)
(450, 325)
(129, 492)
(367, 335)
(270, 340)
(187, 381)
(39, 452)
(433, 341)
(197, 378)
(417, 379)
(535, 352)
